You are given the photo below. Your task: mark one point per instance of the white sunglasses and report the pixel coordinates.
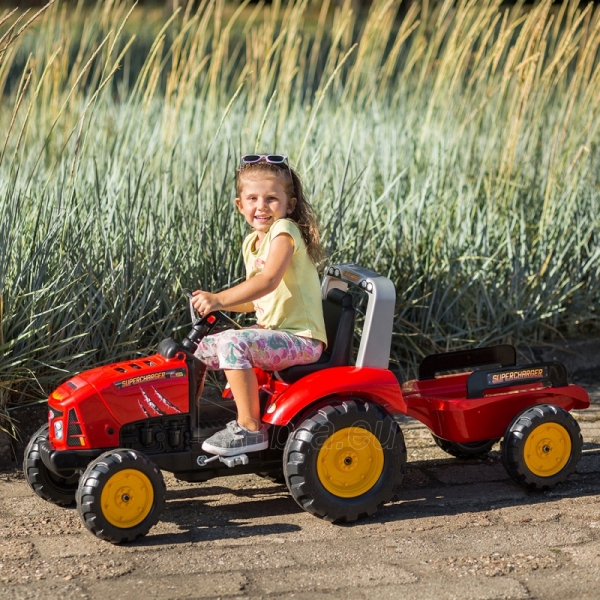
(273, 159)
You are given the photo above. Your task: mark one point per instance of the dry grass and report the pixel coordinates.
(453, 150)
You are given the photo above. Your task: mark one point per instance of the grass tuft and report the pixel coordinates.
(452, 148)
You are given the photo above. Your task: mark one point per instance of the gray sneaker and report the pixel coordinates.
(235, 439)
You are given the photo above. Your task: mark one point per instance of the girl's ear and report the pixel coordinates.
(291, 205)
(238, 203)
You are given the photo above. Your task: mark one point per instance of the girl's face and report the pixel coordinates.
(263, 200)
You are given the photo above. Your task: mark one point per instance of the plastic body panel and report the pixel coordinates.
(108, 397)
(502, 355)
(377, 385)
(442, 406)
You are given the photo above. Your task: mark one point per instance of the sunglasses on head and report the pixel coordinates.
(273, 159)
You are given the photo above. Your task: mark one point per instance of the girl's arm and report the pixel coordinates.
(278, 260)
(245, 307)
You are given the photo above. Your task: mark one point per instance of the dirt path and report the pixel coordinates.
(460, 530)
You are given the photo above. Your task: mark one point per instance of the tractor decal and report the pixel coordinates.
(172, 408)
(517, 375)
(146, 413)
(149, 404)
(150, 377)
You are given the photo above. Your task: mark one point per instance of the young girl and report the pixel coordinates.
(282, 286)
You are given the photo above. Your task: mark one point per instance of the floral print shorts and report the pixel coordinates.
(268, 349)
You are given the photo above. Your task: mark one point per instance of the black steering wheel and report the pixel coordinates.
(219, 315)
(203, 325)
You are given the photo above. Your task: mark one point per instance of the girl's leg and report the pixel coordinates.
(244, 388)
(238, 352)
(270, 350)
(207, 351)
(222, 351)
(243, 383)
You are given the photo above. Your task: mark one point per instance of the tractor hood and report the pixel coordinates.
(90, 408)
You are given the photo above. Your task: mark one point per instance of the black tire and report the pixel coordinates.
(127, 497)
(536, 452)
(466, 449)
(46, 484)
(317, 433)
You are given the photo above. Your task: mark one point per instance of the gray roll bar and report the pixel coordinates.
(376, 340)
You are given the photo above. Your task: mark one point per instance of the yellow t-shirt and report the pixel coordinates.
(295, 305)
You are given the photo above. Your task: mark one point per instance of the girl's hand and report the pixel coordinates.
(205, 302)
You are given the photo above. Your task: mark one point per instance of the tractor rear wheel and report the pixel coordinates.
(345, 460)
(51, 487)
(542, 447)
(121, 495)
(466, 449)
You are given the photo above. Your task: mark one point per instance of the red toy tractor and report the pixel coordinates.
(333, 435)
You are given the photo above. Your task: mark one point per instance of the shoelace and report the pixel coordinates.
(235, 427)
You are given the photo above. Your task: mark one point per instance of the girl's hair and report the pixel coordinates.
(303, 214)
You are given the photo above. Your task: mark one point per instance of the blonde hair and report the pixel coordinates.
(303, 214)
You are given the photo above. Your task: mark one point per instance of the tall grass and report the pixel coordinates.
(453, 149)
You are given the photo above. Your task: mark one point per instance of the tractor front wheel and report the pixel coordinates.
(542, 447)
(51, 487)
(344, 461)
(121, 495)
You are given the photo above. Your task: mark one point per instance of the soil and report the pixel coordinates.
(459, 529)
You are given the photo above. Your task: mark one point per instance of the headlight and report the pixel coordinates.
(58, 430)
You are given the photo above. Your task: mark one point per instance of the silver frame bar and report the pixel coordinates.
(376, 339)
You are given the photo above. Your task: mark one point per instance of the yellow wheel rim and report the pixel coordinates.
(547, 449)
(350, 462)
(127, 498)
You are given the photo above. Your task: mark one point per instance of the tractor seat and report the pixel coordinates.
(339, 315)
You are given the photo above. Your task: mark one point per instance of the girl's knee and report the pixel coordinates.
(207, 352)
(228, 338)
(233, 351)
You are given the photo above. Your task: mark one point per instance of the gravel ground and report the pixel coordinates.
(461, 529)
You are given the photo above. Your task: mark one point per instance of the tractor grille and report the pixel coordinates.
(74, 432)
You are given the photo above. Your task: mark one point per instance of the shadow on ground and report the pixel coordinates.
(443, 487)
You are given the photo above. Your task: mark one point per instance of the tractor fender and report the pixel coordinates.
(375, 385)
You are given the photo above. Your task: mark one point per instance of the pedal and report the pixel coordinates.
(230, 461)
(235, 461)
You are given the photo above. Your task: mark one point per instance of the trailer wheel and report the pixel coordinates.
(46, 484)
(542, 447)
(466, 449)
(344, 461)
(121, 495)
